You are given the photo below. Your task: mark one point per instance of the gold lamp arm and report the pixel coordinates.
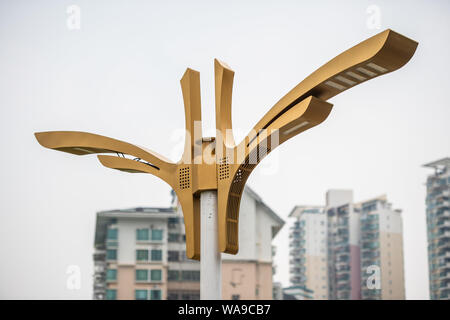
(81, 143)
(378, 55)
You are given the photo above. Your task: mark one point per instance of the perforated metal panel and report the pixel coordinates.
(224, 169)
(184, 177)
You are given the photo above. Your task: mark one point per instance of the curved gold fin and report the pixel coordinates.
(190, 86)
(223, 77)
(187, 169)
(378, 55)
(81, 143)
(190, 205)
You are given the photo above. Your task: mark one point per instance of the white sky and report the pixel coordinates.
(119, 76)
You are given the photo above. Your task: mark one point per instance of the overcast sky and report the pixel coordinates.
(119, 76)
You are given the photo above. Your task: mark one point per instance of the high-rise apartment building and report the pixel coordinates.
(140, 254)
(308, 262)
(438, 228)
(363, 248)
(343, 236)
(381, 245)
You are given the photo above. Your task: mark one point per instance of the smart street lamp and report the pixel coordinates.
(216, 169)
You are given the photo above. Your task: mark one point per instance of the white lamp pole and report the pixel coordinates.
(210, 259)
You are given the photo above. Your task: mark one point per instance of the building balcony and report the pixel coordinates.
(341, 246)
(343, 268)
(442, 192)
(100, 256)
(343, 295)
(444, 254)
(444, 295)
(343, 288)
(445, 234)
(300, 261)
(297, 252)
(297, 280)
(341, 263)
(342, 256)
(444, 285)
(369, 237)
(339, 273)
(341, 243)
(371, 294)
(445, 265)
(296, 236)
(298, 271)
(296, 226)
(370, 248)
(370, 228)
(443, 214)
(370, 255)
(443, 204)
(99, 286)
(445, 275)
(343, 278)
(443, 243)
(297, 276)
(296, 244)
(443, 223)
(369, 262)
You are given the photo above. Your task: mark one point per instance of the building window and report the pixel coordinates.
(235, 297)
(111, 274)
(111, 244)
(140, 294)
(141, 275)
(111, 294)
(157, 234)
(155, 294)
(142, 235)
(172, 296)
(156, 255)
(174, 237)
(112, 234)
(173, 255)
(190, 275)
(173, 223)
(111, 254)
(142, 255)
(190, 295)
(156, 275)
(173, 275)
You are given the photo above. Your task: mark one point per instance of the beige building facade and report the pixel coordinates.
(140, 254)
(308, 256)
